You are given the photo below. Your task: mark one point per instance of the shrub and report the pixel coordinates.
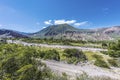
(74, 56)
(112, 62)
(114, 49)
(100, 62)
(115, 54)
(52, 54)
(97, 56)
(104, 45)
(104, 52)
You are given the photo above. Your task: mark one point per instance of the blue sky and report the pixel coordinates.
(34, 15)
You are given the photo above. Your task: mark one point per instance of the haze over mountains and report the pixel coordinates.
(66, 31)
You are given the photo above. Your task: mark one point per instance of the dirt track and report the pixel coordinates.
(57, 46)
(76, 70)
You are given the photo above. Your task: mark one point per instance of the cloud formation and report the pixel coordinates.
(44, 27)
(49, 22)
(62, 21)
(81, 23)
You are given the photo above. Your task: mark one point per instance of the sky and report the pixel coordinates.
(34, 15)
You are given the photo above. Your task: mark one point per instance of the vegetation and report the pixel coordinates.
(114, 49)
(100, 62)
(113, 62)
(95, 44)
(84, 76)
(51, 54)
(16, 63)
(74, 56)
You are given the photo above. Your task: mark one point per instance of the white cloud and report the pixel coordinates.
(64, 21)
(48, 22)
(81, 23)
(44, 27)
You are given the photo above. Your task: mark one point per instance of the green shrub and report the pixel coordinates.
(104, 52)
(114, 54)
(97, 56)
(100, 62)
(52, 54)
(74, 56)
(104, 45)
(114, 49)
(112, 62)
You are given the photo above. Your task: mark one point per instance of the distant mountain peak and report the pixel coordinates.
(67, 31)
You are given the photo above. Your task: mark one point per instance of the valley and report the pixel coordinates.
(68, 52)
(72, 70)
(59, 39)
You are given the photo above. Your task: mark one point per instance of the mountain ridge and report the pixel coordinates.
(6, 33)
(66, 31)
(69, 32)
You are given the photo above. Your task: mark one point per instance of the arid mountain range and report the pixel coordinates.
(66, 31)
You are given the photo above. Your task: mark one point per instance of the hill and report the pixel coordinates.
(5, 33)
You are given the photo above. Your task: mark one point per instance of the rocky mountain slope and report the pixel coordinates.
(66, 31)
(4, 33)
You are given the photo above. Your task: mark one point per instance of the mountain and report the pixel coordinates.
(66, 31)
(5, 33)
(54, 30)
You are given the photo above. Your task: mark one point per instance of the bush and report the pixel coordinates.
(114, 54)
(114, 49)
(104, 52)
(104, 45)
(112, 62)
(100, 62)
(74, 55)
(52, 54)
(97, 56)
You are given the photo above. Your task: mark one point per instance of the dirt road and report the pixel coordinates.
(76, 70)
(56, 46)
